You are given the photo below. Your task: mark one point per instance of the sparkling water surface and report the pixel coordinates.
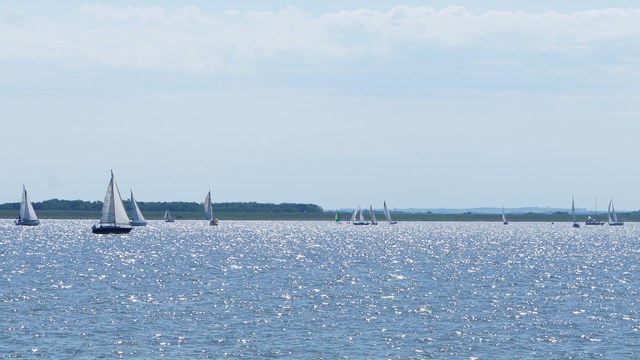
(319, 290)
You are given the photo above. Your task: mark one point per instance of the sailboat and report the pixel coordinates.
(167, 216)
(136, 215)
(360, 217)
(208, 210)
(27, 215)
(387, 215)
(114, 218)
(612, 217)
(593, 220)
(573, 212)
(504, 218)
(337, 218)
(374, 221)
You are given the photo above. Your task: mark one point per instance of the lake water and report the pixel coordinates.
(318, 290)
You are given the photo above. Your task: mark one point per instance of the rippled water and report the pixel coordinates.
(307, 290)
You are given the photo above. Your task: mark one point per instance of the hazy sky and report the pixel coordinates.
(339, 103)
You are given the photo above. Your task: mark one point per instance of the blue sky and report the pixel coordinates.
(422, 104)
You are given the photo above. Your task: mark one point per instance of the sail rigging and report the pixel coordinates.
(208, 207)
(167, 216)
(114, 217)
(27, 214)
(504, 217)
(387, 215)
(137, 219)
(113, 211)
(372, 214)
(208, 210)
(612, 216)
(573, 212)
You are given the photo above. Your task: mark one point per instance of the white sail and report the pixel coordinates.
(208, 207)
(372, 214)
(612, 213)
(360, 216)
(136, 214)
(167, 215)
(386, 212)
(609, 212)
(573, 209)
(113, 211)
(353, 216)
(504, 217)
(26, 209)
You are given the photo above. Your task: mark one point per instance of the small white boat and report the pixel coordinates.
(504, 217)
(387, 215)
(208, 210)
(27, 215)
(593, 220)
(360, 217)
(114, 219)
(168, 217)
(136, 215)
(372, 214)
(612, 217)
(573, 212)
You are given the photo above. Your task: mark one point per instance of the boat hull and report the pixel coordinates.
(360, 223)
(594, 222)
(392, 222)
(25, 222)
(213, 222)
(616, 223)
(141, 223)
(110, 229)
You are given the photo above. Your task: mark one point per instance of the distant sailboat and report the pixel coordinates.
(167, 216)
(372, 214)
(360, 216)
(573, 212)
(594, 221)
(114, 218)
(612, 217)
(27, 215)
(387, 215)
(504, 217)
(208, 210)
(136, 215)
(337, 218)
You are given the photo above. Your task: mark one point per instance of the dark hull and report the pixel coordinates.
(576, 225)
(360, 223)
(594, 222)
(23, 222)
(617, 223)
(110, 230)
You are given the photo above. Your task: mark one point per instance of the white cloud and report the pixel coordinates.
(189, 38)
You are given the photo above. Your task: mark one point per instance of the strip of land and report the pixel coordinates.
(80, 209)
(322, 216)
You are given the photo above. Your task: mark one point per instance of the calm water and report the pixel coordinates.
(317, 290)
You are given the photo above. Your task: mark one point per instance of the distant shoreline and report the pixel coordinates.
(327, 216)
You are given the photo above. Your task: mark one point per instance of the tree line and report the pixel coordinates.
(176, 206)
